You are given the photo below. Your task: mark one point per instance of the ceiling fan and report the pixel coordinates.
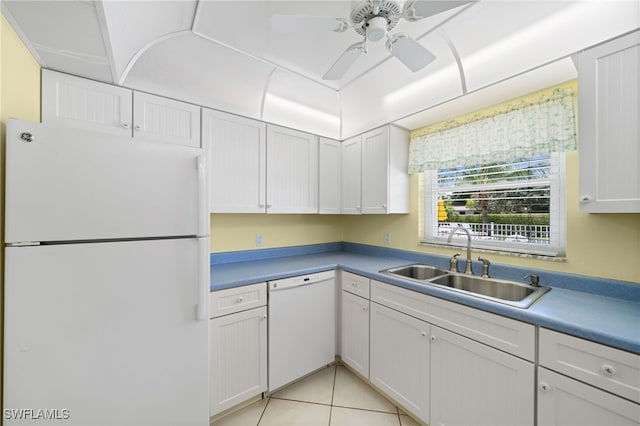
(373, 19)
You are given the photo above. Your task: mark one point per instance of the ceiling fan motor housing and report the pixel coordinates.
(365, 14)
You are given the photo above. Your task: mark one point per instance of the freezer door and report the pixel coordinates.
(73, 184)
(105, 334)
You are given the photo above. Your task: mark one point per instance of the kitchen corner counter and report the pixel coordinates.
(612, 319)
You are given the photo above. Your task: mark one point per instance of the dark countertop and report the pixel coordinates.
(613, 321)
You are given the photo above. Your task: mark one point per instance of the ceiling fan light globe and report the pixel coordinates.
(376, 28)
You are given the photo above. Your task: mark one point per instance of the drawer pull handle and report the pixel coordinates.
(545, 387)
(240, 299)
(608, 370)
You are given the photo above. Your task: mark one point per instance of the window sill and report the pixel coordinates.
(537, 256)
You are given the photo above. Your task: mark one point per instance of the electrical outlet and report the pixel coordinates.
(259, 240)
(387, 237)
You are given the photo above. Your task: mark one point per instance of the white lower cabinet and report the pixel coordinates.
(474, 384)
(563, 401)
(400, 359)
(238, 347)
(593, 384)
(354, 337)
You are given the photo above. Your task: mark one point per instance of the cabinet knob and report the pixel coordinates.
(434, 338)
(264, 317)
(126, 125)
(608, 370)
(138, 127)
(240, 299)
(364, 309)
(384, 206)
(544, 386)
(353, 284)
(423, 334)
(585, 198)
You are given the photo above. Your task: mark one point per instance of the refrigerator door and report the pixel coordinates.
(106, 334)
(72, 184)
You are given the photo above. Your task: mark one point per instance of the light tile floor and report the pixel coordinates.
(333, 396)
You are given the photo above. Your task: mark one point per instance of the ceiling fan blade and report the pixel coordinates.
(411, 53)
(301, 23)
(344, 62)
(414, 10)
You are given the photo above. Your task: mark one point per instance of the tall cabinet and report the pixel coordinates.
(609, 129)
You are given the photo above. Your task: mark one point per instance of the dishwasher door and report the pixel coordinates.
(302, 326)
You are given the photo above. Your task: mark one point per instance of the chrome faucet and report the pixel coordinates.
(468, 269)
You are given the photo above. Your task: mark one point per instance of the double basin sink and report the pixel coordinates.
(512, 293)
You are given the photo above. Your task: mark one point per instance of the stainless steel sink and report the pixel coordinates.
(418, 272)
(510, 292)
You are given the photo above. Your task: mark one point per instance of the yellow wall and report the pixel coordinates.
(19, 98)
(233, 232)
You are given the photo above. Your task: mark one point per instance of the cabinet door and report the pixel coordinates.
(237, 162)
(352, 176)
(609, 105)
(292, 172)
(85, 103)
(399, 360)
(160, 119)
(329, 176)
(472, 383)
(355, 332)
(563, 401)
(375, 171)
(238, 350)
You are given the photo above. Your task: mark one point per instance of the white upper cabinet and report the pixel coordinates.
(86, 103)
(352, 175)
(237, 162)
(609, 129)
(164, 120)
(385, 182)
(79, 102)
(292, 172)
(329, 176)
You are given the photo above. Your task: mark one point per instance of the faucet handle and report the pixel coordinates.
(453, 263)
(485, 267)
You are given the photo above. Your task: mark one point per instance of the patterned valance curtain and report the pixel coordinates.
(524, 129)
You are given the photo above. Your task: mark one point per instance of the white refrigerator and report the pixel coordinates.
(106, 280)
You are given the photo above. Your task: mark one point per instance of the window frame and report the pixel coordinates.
(557, 217)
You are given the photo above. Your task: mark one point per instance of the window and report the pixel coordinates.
(515, 206)
(499, 174)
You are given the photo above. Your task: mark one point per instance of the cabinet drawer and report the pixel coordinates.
(237, 299)
(514, 337)
(608, 368)
(356, 284)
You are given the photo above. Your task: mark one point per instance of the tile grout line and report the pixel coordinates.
(263, 410)
(333, 391)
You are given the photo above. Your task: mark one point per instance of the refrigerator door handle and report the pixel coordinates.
(202, 311)
(203, 205)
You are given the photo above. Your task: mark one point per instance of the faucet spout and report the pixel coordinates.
(468, 269)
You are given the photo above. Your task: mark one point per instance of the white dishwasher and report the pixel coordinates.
(302, 326)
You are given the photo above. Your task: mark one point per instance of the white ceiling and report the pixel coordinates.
(222, 54)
